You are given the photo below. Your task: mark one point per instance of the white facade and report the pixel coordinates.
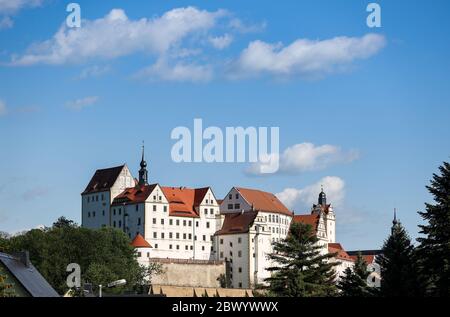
(248, 252)
(95, 204)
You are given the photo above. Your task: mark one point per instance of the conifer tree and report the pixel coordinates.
(354, 281)
(434, 248)
(301, 270)
(399, 274)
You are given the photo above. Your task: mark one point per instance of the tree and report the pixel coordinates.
(104, 255)
(301, 270)
(6, 289)
(434, 248)
(4, 242)
(354, 281)
(63, 222)
(399, 275)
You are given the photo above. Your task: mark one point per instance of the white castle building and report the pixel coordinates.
(192, 224)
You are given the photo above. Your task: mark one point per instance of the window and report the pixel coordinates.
(207, 224)
(170, 222)
(212, 238)
(156, 246)
(139, 254)
(154, 221)
(137, 207)
(190, 236)
(184, 223)
(96, 198)
(103, 197)
(206, 211)
(211, 211)
(162, 235)
(178, 222)
(139, 221)
(114, 211)
(240, 285)
(120, 224)
(203, 248)
(230, 196)
(239, 240)
(240, 254)
(195, 238)
(237, 196)
(177, 235)
(192, 248)
(196, 223)
(120, 211)
(231, 244)
(178, 247)
(148, 254)
(89, 199)
(221, 255)
(154, 207)
(93, 214)
(154, 197)
(204, 238)
(162, 221)
(231, 253)
(190, 223)
(165, 208)
(184, 236)
(240, 270)
(170, 246)
(207, 201)
(186, 247)
(160, 198)
(103, 212)
(230, 206)
(114, 224)
(237, 206)
(221, 241)
(154, 235)
(170, 235)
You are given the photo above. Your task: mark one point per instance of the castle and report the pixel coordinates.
(192, 225)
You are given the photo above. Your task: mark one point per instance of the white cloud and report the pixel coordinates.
(115, 35)
(3, 108)
(80, 104)
(237, 25)
(180, 71)
(307, 157)
(6, 23)
(94, 71)
(13, 6)
(221, 42)
(301, 200)
(305, 57)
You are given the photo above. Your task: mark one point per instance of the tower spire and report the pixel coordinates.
(322, 197)
(394, 221)
(143, 173)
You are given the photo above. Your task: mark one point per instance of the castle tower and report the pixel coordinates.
(143, 173)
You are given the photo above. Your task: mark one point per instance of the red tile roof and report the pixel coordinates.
(368, 258)
(103, 180)
(237, 223)
(264, 201)
(312, 220)
(134, 195)
(341, 253)
(184, 202)
(140, 242)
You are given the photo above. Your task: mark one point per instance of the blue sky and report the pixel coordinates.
(372, 103)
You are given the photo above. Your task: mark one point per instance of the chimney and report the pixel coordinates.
(23, 257)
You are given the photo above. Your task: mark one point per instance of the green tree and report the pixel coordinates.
(4, 242)
(354, 281)
(104, 255)
(399, 274)
(301, 270)
(6, 289)
(434, 248)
